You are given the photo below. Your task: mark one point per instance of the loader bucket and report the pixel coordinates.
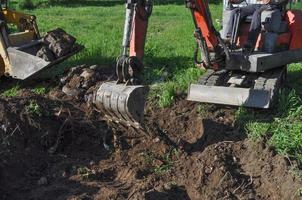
(230, 96)
(121, 103)
(24, 63)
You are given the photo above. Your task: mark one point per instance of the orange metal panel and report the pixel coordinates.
(138, 35)
(294, 19)
(202, 22)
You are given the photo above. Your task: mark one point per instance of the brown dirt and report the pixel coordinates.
(185, 153)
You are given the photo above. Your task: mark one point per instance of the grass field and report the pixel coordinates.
(169, 65)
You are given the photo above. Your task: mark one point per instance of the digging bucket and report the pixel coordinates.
(121, 103)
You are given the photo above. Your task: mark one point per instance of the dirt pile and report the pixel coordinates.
(56, 44)
(186, 152)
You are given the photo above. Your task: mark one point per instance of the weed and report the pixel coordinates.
(12, 92)
(34, 108)
(164, 168)
(166, 96)
(175, 153)
(288, 103)
(161, 164)
(85, 172)
(201, 109)
(166, 92)
(40, 90)
(149, 157)
(296, 172)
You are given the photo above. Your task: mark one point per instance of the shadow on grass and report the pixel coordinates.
(164, 68)
(153, 66)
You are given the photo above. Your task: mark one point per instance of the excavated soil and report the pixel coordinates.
(64, 149)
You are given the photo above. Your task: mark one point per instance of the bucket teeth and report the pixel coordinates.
(121, 103)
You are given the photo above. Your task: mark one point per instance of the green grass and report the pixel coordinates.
(297, 6)
(40, 90)
(34, 108)
(12, 92)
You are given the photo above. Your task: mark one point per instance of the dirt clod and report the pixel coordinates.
(46, 54)
(42, 181)
(59, 42)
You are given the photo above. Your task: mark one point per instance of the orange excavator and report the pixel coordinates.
(232, 77)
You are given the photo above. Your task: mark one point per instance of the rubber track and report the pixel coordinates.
(270, 81)
(212, 78)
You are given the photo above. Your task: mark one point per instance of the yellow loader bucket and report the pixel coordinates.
(121, 103)
(24, 65)
(27, 58)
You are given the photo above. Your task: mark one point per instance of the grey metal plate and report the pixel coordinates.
(229, 96)
(23, 64)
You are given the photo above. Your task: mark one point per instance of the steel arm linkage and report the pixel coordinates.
(129, 63)
(212, 48)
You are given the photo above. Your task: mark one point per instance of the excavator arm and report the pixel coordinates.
(208, 40)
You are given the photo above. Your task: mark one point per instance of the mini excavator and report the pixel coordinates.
(232, 77)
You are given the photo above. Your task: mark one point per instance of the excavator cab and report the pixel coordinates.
(22, 49)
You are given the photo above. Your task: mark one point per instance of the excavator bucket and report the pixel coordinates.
(121, 103)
